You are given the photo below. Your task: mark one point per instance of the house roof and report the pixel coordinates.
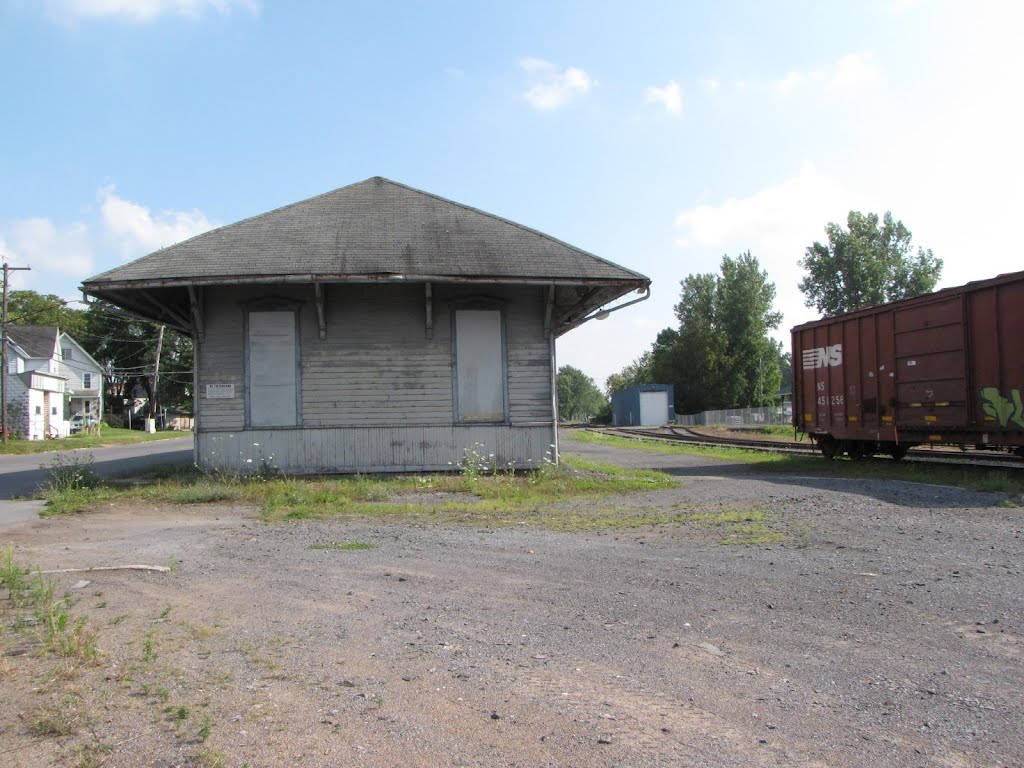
(71, 339)
(373, 231)
(36, 340)
(374, 228)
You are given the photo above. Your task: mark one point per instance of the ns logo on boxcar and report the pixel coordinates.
(823, 357)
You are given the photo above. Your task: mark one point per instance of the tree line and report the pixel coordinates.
(720, 354)
(123, 346)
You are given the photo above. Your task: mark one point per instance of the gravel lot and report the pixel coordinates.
(883, 630)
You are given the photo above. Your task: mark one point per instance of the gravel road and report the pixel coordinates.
(883, 630)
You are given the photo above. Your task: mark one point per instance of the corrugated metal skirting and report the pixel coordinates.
(371, 449)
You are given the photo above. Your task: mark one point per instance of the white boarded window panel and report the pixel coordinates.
(478, 359)
(272, 369)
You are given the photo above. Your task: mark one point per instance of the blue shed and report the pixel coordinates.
(643, 405)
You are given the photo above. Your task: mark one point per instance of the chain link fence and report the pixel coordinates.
(740, 417)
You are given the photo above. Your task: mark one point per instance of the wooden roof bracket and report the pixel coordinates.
(429, 299)
(321, 317)
(549, 309)
(567, 314)
(195, 298)
(180, 320)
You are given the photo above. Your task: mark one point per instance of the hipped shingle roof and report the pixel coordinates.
(372, 228)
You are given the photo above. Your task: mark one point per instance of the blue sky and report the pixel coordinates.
(660, 135)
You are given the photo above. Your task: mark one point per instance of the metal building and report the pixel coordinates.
(644, 405)
(373, 328)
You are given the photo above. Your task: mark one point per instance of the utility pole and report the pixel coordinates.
(3, 352)
(156, 373)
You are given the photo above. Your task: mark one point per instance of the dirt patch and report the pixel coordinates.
(883, 630)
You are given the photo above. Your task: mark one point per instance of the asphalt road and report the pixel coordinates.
(20, 476)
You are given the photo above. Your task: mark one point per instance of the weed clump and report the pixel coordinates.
(71, 474)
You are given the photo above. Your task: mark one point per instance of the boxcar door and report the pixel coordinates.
(931, 375)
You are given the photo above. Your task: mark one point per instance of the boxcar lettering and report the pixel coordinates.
(823, 357)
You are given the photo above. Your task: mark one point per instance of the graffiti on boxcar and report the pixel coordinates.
(1005, 410)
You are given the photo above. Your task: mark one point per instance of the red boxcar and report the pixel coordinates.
(943, 368)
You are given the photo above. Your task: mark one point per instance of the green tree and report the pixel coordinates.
(726, 358)
(721, 354)
(786, 371)
(31, 308)
(578, 395)
(126, 348)
(869, 262)
(637, 372)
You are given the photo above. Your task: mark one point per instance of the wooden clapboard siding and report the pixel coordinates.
(219, 357)
(376, 366)
(375, 370)
(370, 449)
(529, 361)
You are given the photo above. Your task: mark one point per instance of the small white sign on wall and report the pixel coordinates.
(220, 391)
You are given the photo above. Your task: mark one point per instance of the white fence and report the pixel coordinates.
(740, 417)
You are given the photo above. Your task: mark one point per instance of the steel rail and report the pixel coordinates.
(676, 435)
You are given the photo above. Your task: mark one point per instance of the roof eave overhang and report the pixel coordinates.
(94, 288)
(133, 297)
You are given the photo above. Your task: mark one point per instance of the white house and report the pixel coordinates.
(35, 386)
(84, 378)
(373, 328)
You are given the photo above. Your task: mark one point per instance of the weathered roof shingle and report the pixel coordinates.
(376, 228)
(36, 340)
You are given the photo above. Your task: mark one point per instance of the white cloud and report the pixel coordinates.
(854, 70)
(901, 6)
(60, 256)
(789, 82)
(137, 231)
(553, 88)
(670, 97)
(711, 84)
(775, 224)
(142, 11)
(53, 253)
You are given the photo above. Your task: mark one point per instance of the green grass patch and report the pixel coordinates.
(343, 546)
(988, 479)
(722, 453)
(491, 499)
(107, 436)
(991, 479)
(202, 493)
(50, 619)
(739, 526)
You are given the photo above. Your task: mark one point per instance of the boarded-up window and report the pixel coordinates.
(479, 365)
(272, 369)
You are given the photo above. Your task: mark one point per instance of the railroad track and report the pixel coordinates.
(806, 448)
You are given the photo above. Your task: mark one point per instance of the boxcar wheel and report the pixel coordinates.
(855, 450)
(828, 446)
(898, 451)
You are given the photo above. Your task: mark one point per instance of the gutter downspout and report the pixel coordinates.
(196, 357)
(548, 314)
(554, 399)
(601, 314)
